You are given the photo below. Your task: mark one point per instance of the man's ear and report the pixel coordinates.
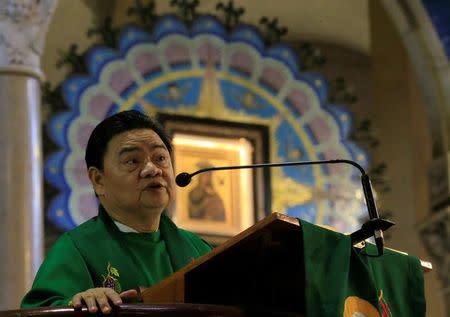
(96, 178)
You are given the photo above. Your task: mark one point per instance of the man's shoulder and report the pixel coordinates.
(72, 238)
(91, 227)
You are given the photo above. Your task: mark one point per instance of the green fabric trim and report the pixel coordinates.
(327, 260)
(334, 270)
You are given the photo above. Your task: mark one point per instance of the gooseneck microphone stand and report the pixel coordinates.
(373, 227)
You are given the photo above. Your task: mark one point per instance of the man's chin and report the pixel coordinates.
(155, 207)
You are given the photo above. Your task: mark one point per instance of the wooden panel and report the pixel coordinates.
(260, 235)
(266, 269)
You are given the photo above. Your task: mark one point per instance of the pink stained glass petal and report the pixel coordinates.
(120, 80)
(273, 78)
(147, 63)
(320, 129)
(79, 173)
(83, 134)
(177, 54)
(99, 106)
(208, 53)
(299, 100)
(334, 169)
(88, 206)
(242, 62)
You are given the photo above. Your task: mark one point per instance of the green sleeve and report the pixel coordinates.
(63, 274)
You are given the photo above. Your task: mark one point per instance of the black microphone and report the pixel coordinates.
(373, 227)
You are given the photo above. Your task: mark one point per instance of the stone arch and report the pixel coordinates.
(431, 65)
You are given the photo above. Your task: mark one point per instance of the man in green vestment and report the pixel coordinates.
(131, 242)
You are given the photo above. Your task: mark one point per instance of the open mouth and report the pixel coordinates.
(154, 186)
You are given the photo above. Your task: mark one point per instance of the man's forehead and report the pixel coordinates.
(134, 138)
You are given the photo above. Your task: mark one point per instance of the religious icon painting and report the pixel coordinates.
(215, 202)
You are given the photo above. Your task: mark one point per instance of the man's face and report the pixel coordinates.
(137, 174)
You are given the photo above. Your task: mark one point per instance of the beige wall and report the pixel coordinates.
(343, 22)
(399, 113)
(70, 23)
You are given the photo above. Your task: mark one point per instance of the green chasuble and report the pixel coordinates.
(98, 254)
(342, 281)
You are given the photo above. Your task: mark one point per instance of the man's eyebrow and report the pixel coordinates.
(158, 145)
(128, 149)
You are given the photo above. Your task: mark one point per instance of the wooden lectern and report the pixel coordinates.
(259, 272)
(260, 267)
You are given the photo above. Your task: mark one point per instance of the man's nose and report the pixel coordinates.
(150, 169)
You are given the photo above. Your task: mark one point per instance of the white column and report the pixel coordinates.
(23, 25)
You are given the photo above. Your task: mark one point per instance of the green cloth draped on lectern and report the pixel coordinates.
(341, 281)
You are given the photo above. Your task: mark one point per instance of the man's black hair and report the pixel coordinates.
(118, 123)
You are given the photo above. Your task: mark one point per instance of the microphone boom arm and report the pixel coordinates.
(373, 227)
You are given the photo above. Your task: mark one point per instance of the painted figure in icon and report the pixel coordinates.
(204, 201)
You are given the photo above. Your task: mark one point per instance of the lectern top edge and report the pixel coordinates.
(269, 220)
(272, 218)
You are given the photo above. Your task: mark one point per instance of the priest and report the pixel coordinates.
(131, 242)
